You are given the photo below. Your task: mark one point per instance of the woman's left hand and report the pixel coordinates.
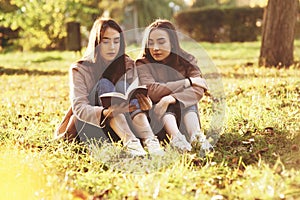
(144, 101)
(162, 106)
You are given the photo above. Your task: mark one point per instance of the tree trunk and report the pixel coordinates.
(277, 46)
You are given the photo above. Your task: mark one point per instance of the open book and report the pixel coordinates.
(134, 88)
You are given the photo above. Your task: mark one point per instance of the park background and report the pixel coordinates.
(257, 153)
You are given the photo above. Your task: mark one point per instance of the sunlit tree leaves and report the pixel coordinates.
(41, 23)
(147, 11)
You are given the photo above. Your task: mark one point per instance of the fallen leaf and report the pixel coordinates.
(80, 195)
(269, 130)
(102, 195)
(295, 147)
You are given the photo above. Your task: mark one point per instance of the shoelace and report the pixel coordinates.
(132, 144)
(182, 144)
(152, 142)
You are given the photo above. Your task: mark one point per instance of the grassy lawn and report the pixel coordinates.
(256, 156)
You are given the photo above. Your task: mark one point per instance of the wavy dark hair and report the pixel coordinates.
(177, 56)
(117, 68)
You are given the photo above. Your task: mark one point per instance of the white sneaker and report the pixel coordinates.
(179, 142)
(135, 148)
(153, 146)
(199, 141)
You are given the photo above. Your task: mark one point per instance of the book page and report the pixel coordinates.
(132, 86)
(116, 97)
(113, 94)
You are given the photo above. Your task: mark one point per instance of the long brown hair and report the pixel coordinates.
(117, 68)
(177, 56)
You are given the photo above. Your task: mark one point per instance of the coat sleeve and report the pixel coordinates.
(79, 98)
(157, 90)
(191, 95)
(187, 96)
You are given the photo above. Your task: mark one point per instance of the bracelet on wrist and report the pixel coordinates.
(190, 80)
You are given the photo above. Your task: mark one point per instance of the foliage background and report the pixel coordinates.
(41, 23)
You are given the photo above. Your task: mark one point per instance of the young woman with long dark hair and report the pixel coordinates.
(106, 68)
(175, 85)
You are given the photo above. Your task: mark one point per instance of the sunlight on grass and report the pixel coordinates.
(257, 156)
(23, 175)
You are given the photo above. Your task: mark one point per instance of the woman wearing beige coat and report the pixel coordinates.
(105, 68)
(175, 85)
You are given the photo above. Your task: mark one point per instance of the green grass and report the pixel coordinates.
(257, 155)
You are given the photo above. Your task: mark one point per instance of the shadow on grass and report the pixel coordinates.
(254, 147)
(47, 59)
(33, 72)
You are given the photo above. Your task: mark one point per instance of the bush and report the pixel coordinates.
(221, 24)
(6, 37)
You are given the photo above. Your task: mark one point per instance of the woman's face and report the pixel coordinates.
(110, 44)
(159, 44)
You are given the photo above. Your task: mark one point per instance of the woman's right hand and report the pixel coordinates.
(144, 101)
(162, 106)
(114, 110)
(119, 109)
